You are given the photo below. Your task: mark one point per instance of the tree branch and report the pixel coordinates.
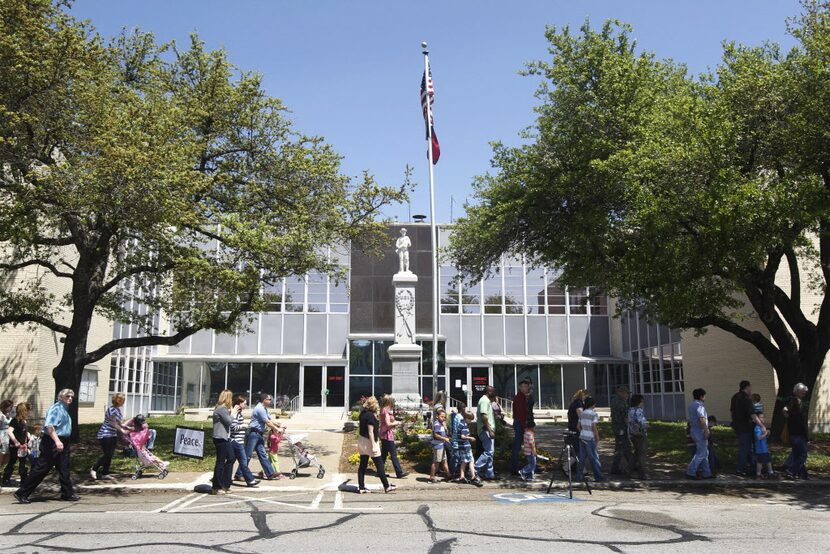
(42, 263)
(755, 338)
(148, 340)
(795, 276)
(118, 277)
(16, 319)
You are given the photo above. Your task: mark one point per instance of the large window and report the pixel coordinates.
(288, 381)
(535, 291)
(550, 386)
(89, 385)
(493, 294)
(514, 301)
(294, 293)
(239, 378)
(317, 291)
(504, 380)
(166, 386)
(450, 296)
(578, 300)
(216, 380)
(573, 379)
(557, 298)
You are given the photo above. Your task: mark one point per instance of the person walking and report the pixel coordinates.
(743, 423)
(18, 445)
(638, 433)
(440, 443)
(486, 434)
(796, 413)
(225, 457)
(54, 451)
(588, 441)
(237, 436)
(699, 430)
(521, 413)
(388, 424)
(368, 446)
(528, 472)
(255, 442)
(462, 446)
(622, 460)
(5, 437)
(108, 437)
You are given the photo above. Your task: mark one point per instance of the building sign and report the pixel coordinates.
(189, 442)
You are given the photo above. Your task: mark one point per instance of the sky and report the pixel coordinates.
(350, 70)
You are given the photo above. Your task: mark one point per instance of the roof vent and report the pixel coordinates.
(419, 218)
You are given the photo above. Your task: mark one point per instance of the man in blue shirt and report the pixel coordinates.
(54, 451)
(699, 430)
(260, 423)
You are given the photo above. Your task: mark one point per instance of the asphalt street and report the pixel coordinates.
(435, 520)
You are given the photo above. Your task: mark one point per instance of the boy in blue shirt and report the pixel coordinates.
(762, 457)
(439, 441)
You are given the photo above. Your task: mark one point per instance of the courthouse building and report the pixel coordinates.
(323, 345)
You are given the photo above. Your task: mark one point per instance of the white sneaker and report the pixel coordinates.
(93, 474)
(108, 477)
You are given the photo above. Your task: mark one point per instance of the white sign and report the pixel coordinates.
(189, 442)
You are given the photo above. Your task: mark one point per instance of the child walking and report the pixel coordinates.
(528, 472)
(638, 431)
(34, 443)
(588, 439)
(464, 448)
(439, 441)
(274, 440)
(762, 457)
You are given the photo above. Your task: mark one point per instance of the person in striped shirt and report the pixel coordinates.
(108, 437)
(240, 402)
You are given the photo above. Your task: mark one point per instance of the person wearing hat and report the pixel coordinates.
(619, 424)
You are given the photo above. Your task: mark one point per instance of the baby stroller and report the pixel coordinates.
(144, 458)
(302, 457)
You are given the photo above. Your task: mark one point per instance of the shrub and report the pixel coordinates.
(354, 459)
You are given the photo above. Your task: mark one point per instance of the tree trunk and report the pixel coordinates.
(788, 376)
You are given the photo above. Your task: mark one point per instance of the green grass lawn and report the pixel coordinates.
(87, 451)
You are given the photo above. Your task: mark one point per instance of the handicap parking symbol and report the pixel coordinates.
(531, 497)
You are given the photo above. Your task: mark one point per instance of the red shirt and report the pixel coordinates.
(520, 408)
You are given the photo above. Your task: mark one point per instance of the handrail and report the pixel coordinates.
(294, 404)
(506, 405)
(453, 403)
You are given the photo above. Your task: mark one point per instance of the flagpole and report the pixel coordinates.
(433, 235)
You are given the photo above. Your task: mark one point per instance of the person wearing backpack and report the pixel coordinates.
(638, 433)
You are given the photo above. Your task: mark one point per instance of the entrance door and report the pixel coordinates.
(458, 384)
(313, 386)
(481, 378)
(336, 385)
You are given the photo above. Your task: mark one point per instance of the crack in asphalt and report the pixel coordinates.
(443, 546)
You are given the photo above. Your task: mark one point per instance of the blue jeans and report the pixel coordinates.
(799, 455)
(745, 453)
(389, 448)
(701, 457)
(588, 453)
(484, 464)
(242, 458)
(255, 442)
(224, 464)
(518, 439)
(530, 468)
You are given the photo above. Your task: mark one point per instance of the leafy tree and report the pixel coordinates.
(682, 196)
(148, 179)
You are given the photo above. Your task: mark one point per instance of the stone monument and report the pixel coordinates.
(405, 353)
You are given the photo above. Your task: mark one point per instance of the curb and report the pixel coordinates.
(539, 484)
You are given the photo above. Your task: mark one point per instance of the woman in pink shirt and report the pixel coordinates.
(387, 434)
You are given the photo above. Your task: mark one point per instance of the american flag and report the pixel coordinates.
(428, 95)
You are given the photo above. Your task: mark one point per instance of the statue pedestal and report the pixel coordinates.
(405, 353)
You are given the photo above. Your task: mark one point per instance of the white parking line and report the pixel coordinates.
(315, 504)
(177, 501)
(185, 504)
(338, 500)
